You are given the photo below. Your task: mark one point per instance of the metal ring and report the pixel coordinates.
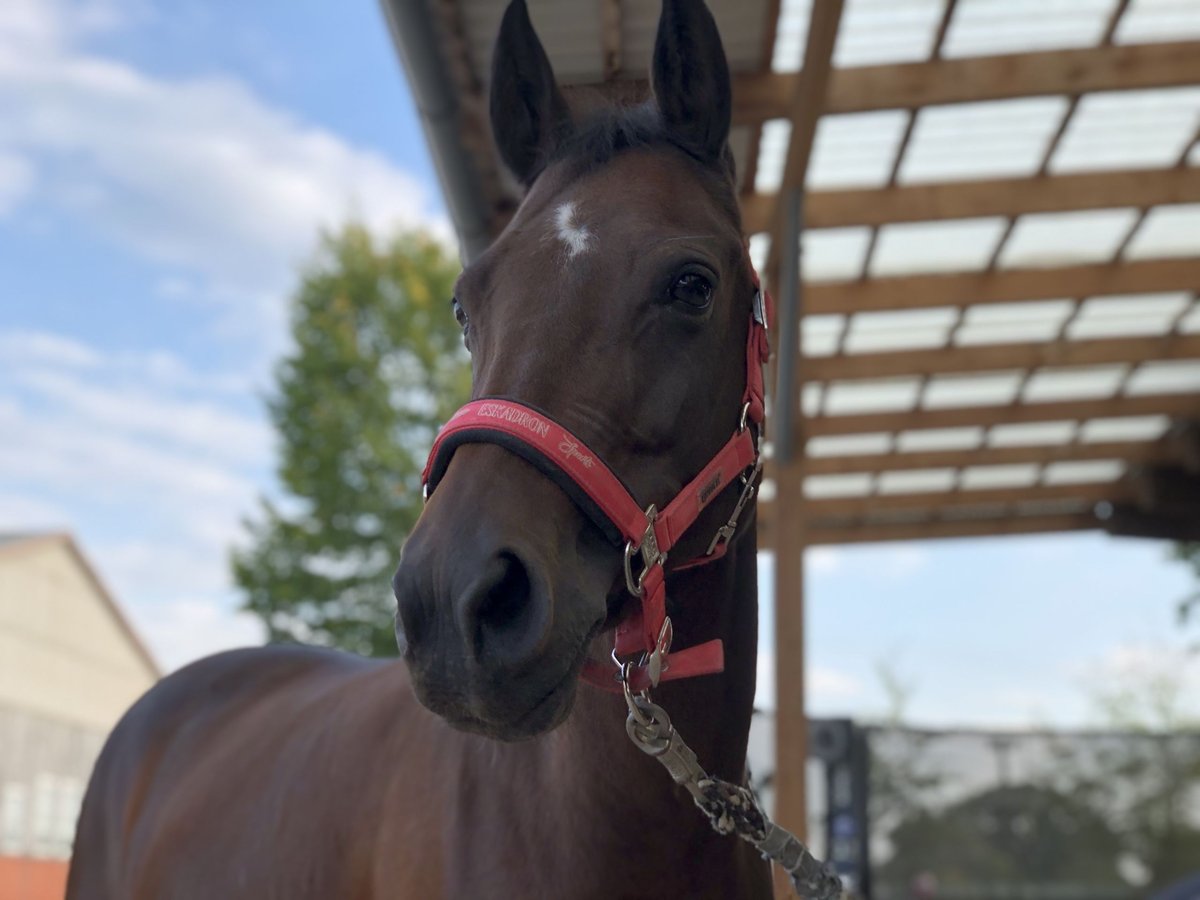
(745, 415)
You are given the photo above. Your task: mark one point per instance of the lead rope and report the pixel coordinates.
(731, 808)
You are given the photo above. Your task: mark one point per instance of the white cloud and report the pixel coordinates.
(200, 174)
(16, 181)
(188, 628)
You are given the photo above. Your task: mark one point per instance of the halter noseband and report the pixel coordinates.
(646, 534)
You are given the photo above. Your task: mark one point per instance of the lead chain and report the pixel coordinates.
(731, 808)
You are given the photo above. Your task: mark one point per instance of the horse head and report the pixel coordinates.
(617, 301)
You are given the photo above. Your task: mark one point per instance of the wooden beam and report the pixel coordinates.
(999, 357)
(1006, 286)
(936, 530)
(990, 197)
(791, 719)
(936, 501)
(610, 38)
(1130, 451)
(806, 103)
(761, 96)
(1172, 405)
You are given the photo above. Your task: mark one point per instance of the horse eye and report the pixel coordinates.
(692, 290)
(460, 315)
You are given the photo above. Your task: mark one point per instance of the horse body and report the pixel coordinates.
(300, 773)
(619, 300)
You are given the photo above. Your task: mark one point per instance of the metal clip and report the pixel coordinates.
(726, 531)
(648, 549)
(653, 662)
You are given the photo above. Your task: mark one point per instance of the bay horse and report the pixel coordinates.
(620, 302)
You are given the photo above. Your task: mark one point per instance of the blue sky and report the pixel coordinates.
(164, 169)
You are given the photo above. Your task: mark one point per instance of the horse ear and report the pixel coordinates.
(690, 77)
(528, 112)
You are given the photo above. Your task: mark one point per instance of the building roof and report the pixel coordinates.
(16, 544)
(997, 328)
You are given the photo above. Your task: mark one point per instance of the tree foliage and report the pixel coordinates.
(376, 365)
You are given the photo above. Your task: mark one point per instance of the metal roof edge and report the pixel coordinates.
(419, 47)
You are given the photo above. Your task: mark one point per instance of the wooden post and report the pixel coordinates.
(791, 722)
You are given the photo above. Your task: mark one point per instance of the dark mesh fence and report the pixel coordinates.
(1031, 815)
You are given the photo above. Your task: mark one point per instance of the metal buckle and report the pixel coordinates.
(648, 549)
(726, 531)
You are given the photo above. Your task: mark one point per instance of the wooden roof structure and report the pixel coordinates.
(996, 324)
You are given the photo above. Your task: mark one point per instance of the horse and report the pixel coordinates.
(620, 304)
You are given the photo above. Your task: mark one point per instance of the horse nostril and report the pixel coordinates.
(499, 611)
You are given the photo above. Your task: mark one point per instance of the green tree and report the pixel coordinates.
(376, 365)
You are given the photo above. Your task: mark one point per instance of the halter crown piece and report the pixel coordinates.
(646, 533)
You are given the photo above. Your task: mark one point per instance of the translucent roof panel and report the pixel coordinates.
(959, 245)
(772, 155)
(907, 330)
(885, 31)
(1064, 239)
(819, 335)
(1006, 323)
(1124, 428)
(1085, 472)
(984, 477)
(1128, 315)
(846, 397)
(1159, 20)
(1167, 231)
(1031, 434)
(1189, 323)
(791, 32)
(982, 27)
(991, 389)
(811, 395)
(849, 444)
(855, 485)
(1093, 383)
(1129, 129)
(760, 249)
(981, 140)
(939, 439)
(917, 481)
(855, 149)
(834, 253)
(1168, 377)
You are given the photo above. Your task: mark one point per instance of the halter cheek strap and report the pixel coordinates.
(646, 534)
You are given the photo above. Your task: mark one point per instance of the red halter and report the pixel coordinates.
(648, 534)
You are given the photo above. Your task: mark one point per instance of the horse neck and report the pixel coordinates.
(711, 713)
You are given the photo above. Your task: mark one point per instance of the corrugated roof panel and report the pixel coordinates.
(985, 477)
(873, 32)
(772, 155)
(1165, 377)
(849, 444)
(1129, 129)
(790, 35)
(1006, 323)
(834, 253)
(1124, 428)
(855, 149)
(819, 335)
(917, 481)
(889, 395)
(1084, 472)
(823, 486)
(939, 439)
(1064, 239)
(981, 140)
(1031, 434)
(1128, 315)
(953, 391)
(909, 329)
(960, 245)
(1167, 231)
(1159, 20)
(985, 27)
(1091, 383)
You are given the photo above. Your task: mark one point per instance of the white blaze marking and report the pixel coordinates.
(575, 236)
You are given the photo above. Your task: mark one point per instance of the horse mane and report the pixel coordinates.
(611, 129)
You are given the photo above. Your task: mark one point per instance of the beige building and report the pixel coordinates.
(70, 665)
